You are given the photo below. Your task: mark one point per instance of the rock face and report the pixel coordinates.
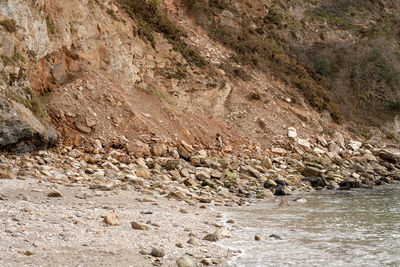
(21, 131)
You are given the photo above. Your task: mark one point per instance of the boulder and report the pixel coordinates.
(316, 181)
(349, 184)
(389, 155)
(250, 171)
(280, 191)
(21, 131)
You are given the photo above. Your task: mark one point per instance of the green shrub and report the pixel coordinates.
(321, 66)
(50, 26)
(151, 19)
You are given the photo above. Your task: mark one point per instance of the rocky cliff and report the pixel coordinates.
(230, 73)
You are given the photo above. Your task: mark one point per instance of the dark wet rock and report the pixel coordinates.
(280, 191)
(280, 182)
(269, 184)
(316, 181)
(382, 181)
(346, 185)
(385, 180)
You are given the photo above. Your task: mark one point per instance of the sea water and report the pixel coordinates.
(332, 228)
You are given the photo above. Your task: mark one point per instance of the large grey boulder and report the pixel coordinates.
(388, 154)
(21, 131)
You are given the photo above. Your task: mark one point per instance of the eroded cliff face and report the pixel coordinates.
(86, 67)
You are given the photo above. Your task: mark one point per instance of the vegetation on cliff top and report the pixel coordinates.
(150, 19)
(338, 53)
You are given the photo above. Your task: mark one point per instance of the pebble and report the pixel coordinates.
(54, 193)
(184, 261)
(193, 241)
(139, 226)
(112, 219)
(158, 252)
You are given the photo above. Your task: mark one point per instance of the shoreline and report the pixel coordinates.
(183, 184)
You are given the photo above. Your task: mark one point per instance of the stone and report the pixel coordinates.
(112, 219)
(138, 148)
(322, 141)
(158, 252)
(304, 143)
(142, 172)
(316, 181)
(388, 154)
(318, 150)
(138, 226)
(279, 151)
(280, 191)
(267, 194)
(207, 262)
(184, 211)
(338, 138)
(194, 242)
(184, 261)
(21, 131)
(292, 133)
(158, 150)
(213, 237)
(54, 193)
(349, 184)
(216, 174)
(183, 152)
(270, 184)
(171, 164)
(248, 170)
(267, 163)
(212, 163)
(333, 147)
(257, 238)
(202, 174)
(179, 195)
(223, 232)
(355, 145)
(83, 128)
(310, 171)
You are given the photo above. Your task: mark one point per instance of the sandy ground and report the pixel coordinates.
(37, 230)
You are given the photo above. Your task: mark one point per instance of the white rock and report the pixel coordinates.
(355, 145)
(355, 175)
(322, 140)
(338, 137)
(292, 133)
(278, 151)
(318, 150)
(304, 143)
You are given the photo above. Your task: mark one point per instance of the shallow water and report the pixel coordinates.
(337, 228)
